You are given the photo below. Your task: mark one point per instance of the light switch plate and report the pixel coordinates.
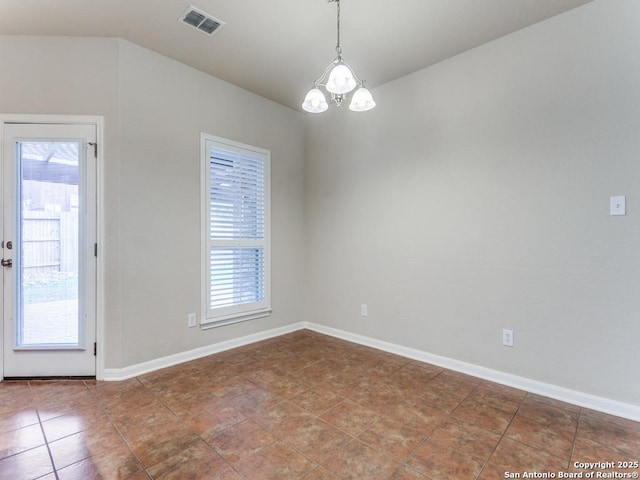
(618, 205)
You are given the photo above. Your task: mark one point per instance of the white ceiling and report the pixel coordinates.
(278, 48)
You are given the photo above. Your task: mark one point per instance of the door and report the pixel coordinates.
(48, 257)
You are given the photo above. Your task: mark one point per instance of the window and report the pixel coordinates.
(235, 225)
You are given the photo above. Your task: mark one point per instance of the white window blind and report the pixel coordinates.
(236, 202)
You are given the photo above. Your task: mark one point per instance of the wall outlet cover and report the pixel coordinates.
(507, 338)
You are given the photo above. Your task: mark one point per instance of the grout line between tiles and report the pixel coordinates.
(44, 435)
(502, 436)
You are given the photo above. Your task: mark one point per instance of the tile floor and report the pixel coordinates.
(302, 406)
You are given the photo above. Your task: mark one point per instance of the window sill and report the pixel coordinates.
(221, 322)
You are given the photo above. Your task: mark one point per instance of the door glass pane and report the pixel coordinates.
(47, 293)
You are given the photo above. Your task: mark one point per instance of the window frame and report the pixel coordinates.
(245, 311)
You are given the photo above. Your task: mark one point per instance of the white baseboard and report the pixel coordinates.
(117, 374)
(601, 404)
(582, 399)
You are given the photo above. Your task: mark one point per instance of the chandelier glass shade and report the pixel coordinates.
(339, 80)
(315, 102)
(362, 100)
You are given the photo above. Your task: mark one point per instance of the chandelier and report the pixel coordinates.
(338, 79)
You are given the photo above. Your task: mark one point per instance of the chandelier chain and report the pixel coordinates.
(338, 49)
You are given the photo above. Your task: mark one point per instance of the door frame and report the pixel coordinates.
(98, 122)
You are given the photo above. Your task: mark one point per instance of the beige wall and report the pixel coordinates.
(154, 110)
(71, 76)
(475, 197)
(164, 106)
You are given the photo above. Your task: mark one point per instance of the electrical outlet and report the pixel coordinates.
(507, 338)
(191, 320)
(364, 311)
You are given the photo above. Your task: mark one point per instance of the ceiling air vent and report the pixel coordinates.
(201, 20)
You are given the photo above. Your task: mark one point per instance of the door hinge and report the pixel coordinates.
(95, 348)
(95, 249)
(95, 148)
